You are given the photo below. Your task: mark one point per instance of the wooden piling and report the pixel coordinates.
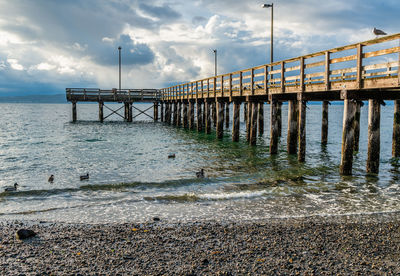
(175, 113)
(374, 117)
(346, 162)
(245, 112)
(227, 115)
(261, 118)
(169, 117)
(130, 117)
(74, 115)
(185, 115)
(126, 111)
(199, 117)
(301, 154)
(248, 120)
(253, 125)
(274, 136)
(396, 130)
(236, 121)
(207, 112)
(101, 113)
(279, 119)
(324, 126)
(357, 126)
(162, 111)
(191, 115)
(292, 127)
(220, 121)
(214, 113)
(179, 116)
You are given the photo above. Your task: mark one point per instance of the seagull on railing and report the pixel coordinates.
(378, 32)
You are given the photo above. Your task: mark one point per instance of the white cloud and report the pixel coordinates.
(14, 64)
(45, 66)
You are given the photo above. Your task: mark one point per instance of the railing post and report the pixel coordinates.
(208, 88)
(302, 86)
(283, 77)
(327, 69)
(266, 79)
(241, 83)
(359, 66)
(252, 82)
(230, 87)
(222, 86)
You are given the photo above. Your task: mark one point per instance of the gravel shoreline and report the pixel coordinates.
(345, 245)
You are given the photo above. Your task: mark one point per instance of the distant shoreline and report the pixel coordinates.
(56, 98)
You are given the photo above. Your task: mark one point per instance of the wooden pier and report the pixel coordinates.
(366, 71)
(127, 96)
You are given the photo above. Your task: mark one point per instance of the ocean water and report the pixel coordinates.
(132, 179)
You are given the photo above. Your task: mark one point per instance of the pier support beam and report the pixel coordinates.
(207, 112)
(346, 162)
(301, 154)
(185, 115)
(253, 125)
(292, 127)
(357, 116)
(227, 115)
(175, 114)
(162, 111)
(74, 116)
(261, 118)
(179, 115)
(274, 135)
(126, 111)
(199, 116)
(374, 118)
(220, 120)
(191, 115)
(214, 113)
(324, 127)
(396, 130)
(130, 117)
(279, 118)
(236, 121)
(168, 113)
(248, 120)
(101, 113)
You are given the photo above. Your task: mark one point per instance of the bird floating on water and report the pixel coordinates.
(11, 189)
(378, 32)
(200, 174)
(171, 155)
(84, 177)
(51, 178)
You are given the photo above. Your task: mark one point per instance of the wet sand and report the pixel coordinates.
(345, 245)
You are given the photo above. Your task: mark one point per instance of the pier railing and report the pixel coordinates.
(372, 64)
(113, 95)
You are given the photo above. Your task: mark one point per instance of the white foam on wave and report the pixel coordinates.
(234, 195)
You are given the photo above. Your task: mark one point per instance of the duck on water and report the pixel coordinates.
(84, 177)
(11, 188)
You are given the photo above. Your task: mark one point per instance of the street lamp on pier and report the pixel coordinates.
(272, 28)
(119, 59)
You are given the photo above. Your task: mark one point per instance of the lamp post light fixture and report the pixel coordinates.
(119, 59)
(272, 28)
(215, 61)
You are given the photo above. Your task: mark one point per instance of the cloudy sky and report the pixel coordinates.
(48, 45)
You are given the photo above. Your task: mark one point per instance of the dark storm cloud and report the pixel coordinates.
(132, 53)
(161, 12)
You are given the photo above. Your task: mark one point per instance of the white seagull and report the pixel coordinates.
(378, 32)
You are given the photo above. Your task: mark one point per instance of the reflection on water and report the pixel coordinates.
(132, 179)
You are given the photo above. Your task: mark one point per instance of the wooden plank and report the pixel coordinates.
(342, 71)
(314, 64)
(381, 65)
(343, 59)
(382, 52)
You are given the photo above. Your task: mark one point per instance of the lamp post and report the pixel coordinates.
(272, 28)
(119, 59)
(215, 61)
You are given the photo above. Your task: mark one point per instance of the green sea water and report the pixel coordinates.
(132, 178)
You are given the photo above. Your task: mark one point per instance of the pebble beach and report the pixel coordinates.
(316, 245)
